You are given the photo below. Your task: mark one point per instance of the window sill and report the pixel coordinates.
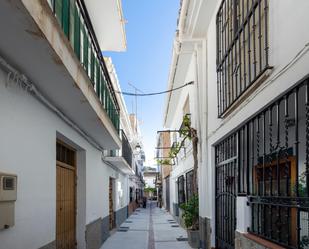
(262, 242)
(247, 93)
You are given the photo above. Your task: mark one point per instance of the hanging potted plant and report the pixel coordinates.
(191, 219)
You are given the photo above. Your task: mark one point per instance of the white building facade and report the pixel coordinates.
(60, 114)
(251, 102)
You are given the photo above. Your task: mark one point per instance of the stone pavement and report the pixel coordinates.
(150, 228)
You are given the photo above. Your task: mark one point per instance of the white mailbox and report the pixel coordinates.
(8, 196)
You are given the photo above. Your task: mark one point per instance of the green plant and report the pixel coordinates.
(304, 242)
(191, 213)
(164, 162)
(149, 190)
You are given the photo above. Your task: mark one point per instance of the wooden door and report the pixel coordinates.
(66, 192)
(111, 204)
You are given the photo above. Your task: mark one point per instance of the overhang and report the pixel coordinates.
(108, 23)
(34, 43)
(120, 163)
(178, 71)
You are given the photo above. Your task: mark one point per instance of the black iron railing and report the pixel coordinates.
(181, 190)
(126, 149)
(73, 17)
(271, 155)
(242, 48)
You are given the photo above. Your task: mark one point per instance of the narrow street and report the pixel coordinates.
(150, 228)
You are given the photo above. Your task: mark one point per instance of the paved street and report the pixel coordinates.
(150, 228)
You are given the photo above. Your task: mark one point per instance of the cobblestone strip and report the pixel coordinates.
(151, 242)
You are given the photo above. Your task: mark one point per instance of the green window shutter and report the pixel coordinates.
(92, 66)
(98, 78)
(71, 28)
(101, 89)
(105, 97)
(65, 17)
(85, 52)
(58, 10)
(76, 32)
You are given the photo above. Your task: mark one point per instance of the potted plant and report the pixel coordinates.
(191, 219)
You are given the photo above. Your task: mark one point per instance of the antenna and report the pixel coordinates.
(135, 90)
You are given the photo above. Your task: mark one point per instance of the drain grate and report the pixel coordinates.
(182, 239)
(174, 225)
(128, 221)
(124, 227)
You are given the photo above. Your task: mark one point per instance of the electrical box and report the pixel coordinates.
(8, 196)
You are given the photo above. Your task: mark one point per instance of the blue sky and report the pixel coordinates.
(150, 32)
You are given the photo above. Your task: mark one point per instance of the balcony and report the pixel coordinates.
(77, 27)
(121, 159)
(54, 45)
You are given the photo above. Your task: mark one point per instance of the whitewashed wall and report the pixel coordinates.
(28, 133)
(287, 40)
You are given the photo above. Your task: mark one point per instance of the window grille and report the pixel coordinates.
(242, 48)
(272, 157)
(189, 184)
(181, 190)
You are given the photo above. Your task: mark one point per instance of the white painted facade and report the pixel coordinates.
(32, 121)
(288, 55)
(29, 132)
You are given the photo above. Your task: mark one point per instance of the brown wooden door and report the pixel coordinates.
(111, 204)
(66, 211)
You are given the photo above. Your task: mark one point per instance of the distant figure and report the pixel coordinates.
(144, 202)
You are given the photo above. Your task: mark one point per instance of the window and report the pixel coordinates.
(181, 190)
(189, 184)
(242, 48)
(267, 160)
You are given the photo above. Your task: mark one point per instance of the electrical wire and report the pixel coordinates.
(156, 93)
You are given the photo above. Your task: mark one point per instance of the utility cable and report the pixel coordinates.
(155, 93)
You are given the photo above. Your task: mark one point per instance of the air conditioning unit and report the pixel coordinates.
(8, 196)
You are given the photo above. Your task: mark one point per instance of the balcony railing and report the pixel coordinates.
(125, 152)
(73, 17)
(126, 149)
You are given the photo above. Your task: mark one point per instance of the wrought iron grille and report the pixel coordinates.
(226, 192)
(273, 168)
(126, 150)
(189, 184)
(181, 190)
(242, 48)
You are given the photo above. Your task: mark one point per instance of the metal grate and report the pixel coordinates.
(226, 192)
(181, 190)
(65, 155)
(271, 153)
(189, 184)
(242, 48)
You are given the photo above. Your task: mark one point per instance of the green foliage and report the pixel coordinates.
(185, 130)
(149, 190)
(304, 243)
(164, 161)
(302, 189)
(191, 212)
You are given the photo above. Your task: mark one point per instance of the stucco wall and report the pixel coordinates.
(286, 39)
(28, 132)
